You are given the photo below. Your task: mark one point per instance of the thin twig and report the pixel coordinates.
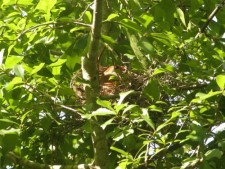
(214, 12)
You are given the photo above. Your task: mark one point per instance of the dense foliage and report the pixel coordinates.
(165, 115)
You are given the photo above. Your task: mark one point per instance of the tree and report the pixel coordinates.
(122, 84)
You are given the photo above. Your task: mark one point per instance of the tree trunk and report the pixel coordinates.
(92, 88)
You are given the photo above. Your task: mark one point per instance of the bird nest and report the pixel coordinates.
(113, 80)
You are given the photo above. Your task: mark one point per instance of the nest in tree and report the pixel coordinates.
(113, 80)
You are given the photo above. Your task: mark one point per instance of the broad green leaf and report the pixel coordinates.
(147, 19)
(158, 71)
(175, 114)
(11, 61)
(108, 122)
(87, 17)
(112, 17)
(214, 153)
(8, 121)
(204, 96)
(105, 103)
(56, 70)
(9, 131)
(128, 108)
(15, 81)
(123, 95)
(161, 126)
(181, 16)
(59, 62)
(103, 112)
(145, 116)
(37, 68)
(19, 71)
(140, 56)
(130, 25)
(46, 6)
(161, 38)
(220, 80)
(152, 90)
(8, 2)
(10, 139)
(146, 46)
(108, 39)
(155, 108)
(25, 2)
(126, 154)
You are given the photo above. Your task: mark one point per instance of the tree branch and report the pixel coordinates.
(214, 12)
(89, 65)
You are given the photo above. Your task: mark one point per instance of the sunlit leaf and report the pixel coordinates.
(8, 121)
(152, 90)
(15, 81)
(181, 16)
(46, 6)
(214, 153)
(59, 62)
(204, 96)
(11, 61)
(123, 95)
(105, 103)
(146, 118)
(220, 80)
(122, 152)
(130, 25)
(112, 17)
(37, 68)
(103, 112)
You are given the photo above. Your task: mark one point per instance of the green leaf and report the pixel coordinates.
(128, 108)
(87, 17)
(19, 71)
(112, 17)
(10, 139)
(161, 126)
(126, 154)
(103, 112)
(203, 96)
(163, 38)
(158, 71)
(214, 153)
(152, 90)
(105, 103)
(130, 25)
(181, 16)
(11, 61)
(136, 49)
(37, 68)
(108, 39)
(15, 81)
(108, 122)
(46, 6)
(147, 19)
(220, 80)
(146, 46)
(123, 95)
(8, 121)
(145, 117)
(59, 62)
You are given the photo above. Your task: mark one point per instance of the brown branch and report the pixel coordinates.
(214, 12)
